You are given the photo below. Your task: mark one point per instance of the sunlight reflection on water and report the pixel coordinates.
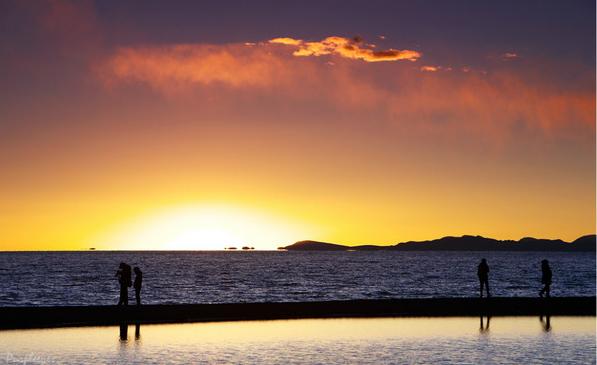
(374, 341)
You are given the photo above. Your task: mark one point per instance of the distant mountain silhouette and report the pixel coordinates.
(464, 243)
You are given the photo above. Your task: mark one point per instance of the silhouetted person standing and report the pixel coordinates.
(483, 274)
(137, 284)
(545, 278)
(124, 280)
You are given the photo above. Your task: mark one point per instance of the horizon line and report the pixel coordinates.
(278, 248)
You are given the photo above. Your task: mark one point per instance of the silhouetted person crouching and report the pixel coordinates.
(483, 274)
(545, 278)
(124, 280)
(137, 284)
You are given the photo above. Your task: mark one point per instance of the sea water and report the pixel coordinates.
(88, 278)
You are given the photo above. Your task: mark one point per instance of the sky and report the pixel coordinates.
(204, 125)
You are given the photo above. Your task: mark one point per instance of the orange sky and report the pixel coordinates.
(200, 145)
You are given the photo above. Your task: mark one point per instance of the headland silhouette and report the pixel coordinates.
(464, 243)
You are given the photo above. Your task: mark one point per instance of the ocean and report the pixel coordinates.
(88, 278)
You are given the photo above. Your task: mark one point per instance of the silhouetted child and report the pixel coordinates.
(137, 284)
(545, 278)
(124, 279)
(483, 274)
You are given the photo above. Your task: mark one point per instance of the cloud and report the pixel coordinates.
(287, 41)
(169, 68)
(494, 106)
(68, 29)
(490, 104)
(509, 56)
(430, 68)
(70, 18)
(353, 48)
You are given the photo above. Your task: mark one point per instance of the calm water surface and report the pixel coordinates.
(83, 278)
(508, 340)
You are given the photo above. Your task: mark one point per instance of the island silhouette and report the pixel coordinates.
(464, 243)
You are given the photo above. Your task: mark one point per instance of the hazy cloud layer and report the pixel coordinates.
(178, 66)
(493, 104)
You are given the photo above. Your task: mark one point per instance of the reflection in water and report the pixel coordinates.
(124, 332)
(547, 323)
(514, 340)
(486, 328)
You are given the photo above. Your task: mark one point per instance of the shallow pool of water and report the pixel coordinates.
(528, 340)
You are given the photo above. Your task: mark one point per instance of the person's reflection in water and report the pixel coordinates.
(484, 329)
(547, 323)
(137, 331)
(124, 332)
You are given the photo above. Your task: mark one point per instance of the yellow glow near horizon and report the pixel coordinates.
(202, 227)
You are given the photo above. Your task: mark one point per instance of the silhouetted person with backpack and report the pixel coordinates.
(124, 280)
(545, 278)
(483, 274)
(137, 284)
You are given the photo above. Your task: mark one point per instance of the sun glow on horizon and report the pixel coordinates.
(202, 227)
